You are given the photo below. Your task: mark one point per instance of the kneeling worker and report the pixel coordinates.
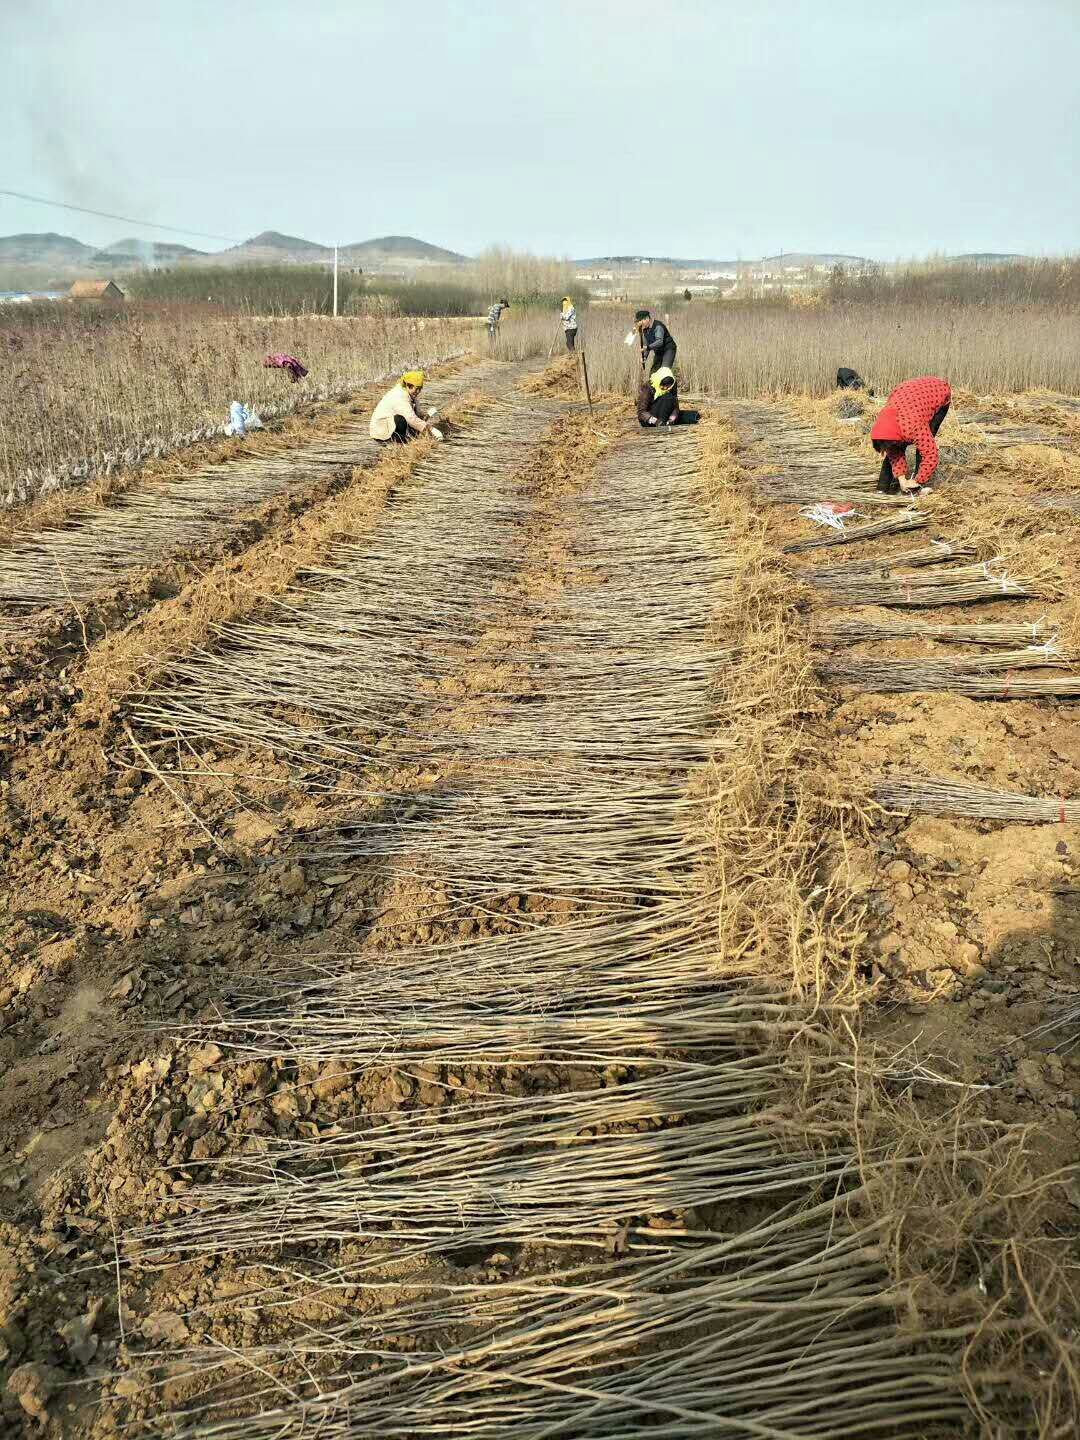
(658, 399)
(912, 416)
(394, 419)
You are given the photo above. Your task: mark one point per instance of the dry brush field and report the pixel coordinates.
(535, 937)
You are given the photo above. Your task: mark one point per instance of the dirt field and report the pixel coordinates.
(504, 939)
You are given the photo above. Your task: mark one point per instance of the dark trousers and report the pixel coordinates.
(665, 360)
(402, 433)
(571, 338)
(887, 482)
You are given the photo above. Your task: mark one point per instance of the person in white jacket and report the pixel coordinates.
(569, 322)
(395, 419)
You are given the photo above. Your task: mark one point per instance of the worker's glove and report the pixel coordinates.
(434, 433)
(431, 414)
(673, 421)
(653, 420)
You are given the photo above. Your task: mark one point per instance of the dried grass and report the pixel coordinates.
(91, 394)
(967, 1230)
(974, 1243)
(757, 351)
(776, 805)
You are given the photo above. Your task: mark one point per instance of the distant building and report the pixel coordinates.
(30, 297)
(106, 291)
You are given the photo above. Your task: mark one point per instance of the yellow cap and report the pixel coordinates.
(415, 378)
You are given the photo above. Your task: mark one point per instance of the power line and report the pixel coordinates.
(124, 219)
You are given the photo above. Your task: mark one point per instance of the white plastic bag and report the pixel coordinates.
(241, 420)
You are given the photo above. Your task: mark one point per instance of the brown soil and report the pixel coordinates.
(133, 906)
(973, 925)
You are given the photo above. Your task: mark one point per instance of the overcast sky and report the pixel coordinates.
(692, 127)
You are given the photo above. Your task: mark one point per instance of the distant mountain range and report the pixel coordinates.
(798, 258)
(63, 255)
(271, 247)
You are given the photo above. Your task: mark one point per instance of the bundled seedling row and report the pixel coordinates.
(928, 795)
(992, 677)
(850, 535)
(348, 657)
(859, 632)
(599, 991)
(612, 1091)
(99, 546)
(780, 1329)
(960, 586)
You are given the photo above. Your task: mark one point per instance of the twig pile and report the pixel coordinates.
(963, 675)
(932, 796)
(961, 585)
(810, 467)
(858, 632)
(912, 520)
(781, 1330)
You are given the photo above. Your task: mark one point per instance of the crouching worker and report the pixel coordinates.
(912, 416)
(658, 399)
(395, 419)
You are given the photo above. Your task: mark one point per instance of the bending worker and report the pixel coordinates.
(658, 399)
(657, 342)
(495, 315)
(395, 418)
(912, 415)
(569, 321)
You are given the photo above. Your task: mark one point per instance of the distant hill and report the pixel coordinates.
(989, 257)
(399, 248)
(48, 249)
(273, 246)
(804, 258)
(674, 262)
(131, 251)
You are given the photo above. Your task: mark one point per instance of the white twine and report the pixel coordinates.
(822, 514)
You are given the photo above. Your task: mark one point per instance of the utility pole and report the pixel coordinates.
(335, 282)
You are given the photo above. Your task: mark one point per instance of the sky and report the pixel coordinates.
(692, 128)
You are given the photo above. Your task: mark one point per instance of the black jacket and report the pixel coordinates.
(656, 339)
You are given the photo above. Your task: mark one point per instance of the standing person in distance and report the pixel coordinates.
(569, 322)
(494, 316)
(395, 420)
(912, 415)
(657, 342)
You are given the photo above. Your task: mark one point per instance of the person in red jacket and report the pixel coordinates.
(912, 416)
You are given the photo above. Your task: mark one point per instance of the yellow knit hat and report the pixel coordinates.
(662, 380)
(415, 378)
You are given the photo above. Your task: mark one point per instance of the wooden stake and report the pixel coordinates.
(585, 376)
